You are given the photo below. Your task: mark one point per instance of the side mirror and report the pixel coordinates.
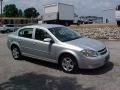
(48, 40)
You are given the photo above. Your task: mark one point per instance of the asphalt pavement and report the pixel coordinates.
(32, 74)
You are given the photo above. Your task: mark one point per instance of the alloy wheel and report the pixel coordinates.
(68, 64)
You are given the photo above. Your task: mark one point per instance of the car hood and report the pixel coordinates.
(87, 43)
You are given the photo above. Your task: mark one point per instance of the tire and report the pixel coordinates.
(78, 23)
(7, 31)
(67, 24)
(16, 53)
(68, 63)
(118, 23)
(2, 32)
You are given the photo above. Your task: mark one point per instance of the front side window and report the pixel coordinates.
(41, 34)
(27, 33)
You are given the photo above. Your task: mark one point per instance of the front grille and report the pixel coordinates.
(103, 51)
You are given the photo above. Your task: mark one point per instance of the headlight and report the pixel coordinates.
(89, 53)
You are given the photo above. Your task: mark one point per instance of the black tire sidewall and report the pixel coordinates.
(7, 31)
(19, 57)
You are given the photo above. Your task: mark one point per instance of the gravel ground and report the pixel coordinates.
(99, 31)
(31, 74)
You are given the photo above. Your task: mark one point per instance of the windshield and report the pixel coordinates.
(64, 34)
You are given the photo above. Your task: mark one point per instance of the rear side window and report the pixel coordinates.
(27, 33)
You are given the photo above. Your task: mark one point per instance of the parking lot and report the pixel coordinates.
(31, 74)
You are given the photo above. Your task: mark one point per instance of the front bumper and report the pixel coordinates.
(93, 63)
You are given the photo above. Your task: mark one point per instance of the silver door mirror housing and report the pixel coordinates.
(48, 40)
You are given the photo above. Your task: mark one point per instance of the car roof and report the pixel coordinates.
(45, 25)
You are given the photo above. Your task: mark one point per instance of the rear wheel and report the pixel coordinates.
(118, 23)
(68, 63)
(16, 53)
(67, 24)
(7, 31)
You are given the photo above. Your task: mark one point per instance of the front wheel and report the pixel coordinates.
(16, 53)
(68, 63)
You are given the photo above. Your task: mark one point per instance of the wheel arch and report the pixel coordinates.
(67, 52)
(14, 44)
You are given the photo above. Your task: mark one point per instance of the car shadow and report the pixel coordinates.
(43, 63)
(99, 71)
(32, 81)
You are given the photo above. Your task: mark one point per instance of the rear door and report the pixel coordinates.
(26, 40)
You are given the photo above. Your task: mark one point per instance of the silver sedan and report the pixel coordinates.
(58, 44)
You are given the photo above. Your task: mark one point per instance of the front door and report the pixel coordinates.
(43, 50)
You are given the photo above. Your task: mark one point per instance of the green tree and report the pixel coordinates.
(10, 10)
(20, 13)
(31, 12)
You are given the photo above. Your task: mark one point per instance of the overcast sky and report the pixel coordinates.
(82, 7)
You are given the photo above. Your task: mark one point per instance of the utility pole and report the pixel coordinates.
(1, 1)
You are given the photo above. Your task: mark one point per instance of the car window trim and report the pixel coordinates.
(26, 28)
(43, 30)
